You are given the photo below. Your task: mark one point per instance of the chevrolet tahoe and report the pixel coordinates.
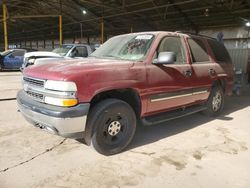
(147, 77)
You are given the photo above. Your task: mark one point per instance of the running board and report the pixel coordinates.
(166, 116)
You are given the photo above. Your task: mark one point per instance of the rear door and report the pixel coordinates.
(203, 68)
(223, 65)
(169, 85)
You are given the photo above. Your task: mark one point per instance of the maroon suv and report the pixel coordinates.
(152, 77)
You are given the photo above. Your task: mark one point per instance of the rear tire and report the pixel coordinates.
(215, 103)
(112, 124)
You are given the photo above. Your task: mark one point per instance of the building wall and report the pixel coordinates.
(236, 40)
(236, 37)
(49, 44)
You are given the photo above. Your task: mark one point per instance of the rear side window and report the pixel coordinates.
(219, 51)
(198, 51)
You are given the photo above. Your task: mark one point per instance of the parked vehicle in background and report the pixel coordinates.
(13, 59)
(151, 77)
(65, 51)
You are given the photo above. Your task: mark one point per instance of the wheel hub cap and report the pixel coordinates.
(114, 128)
(217, 101)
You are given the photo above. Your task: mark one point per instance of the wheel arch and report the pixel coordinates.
(220, 82)
(128, 95)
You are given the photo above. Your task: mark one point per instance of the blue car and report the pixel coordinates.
(12, 59)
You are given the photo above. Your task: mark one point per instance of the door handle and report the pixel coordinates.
(188, 73)
(211, 71)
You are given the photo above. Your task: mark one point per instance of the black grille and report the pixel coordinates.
(35, 82)
(36, 96)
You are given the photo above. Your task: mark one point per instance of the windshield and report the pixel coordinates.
(6, 52)
(127, 47)
(63, 50)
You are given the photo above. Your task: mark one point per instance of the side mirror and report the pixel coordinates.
(165, 58)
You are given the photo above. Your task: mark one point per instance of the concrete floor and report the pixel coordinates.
(194, 151)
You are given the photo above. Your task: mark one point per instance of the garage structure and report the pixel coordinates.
(194, 151)
(45, 25)
(31, 21)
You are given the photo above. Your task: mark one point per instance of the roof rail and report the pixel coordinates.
(191, 33)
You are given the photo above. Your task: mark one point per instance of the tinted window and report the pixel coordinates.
(219, 51)
(18, 53)
(198, 51)
(173, 44)
(81, 51)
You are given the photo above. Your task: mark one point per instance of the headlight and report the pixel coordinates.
(31, 61)
(60, 93)
(60, 85)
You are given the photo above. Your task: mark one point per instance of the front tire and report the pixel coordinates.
(215, 103)
(1, 67)
(113, 124)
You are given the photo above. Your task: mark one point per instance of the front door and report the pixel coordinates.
(14, 60)
(169, 85)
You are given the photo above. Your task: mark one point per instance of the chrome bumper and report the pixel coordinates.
(66, 124)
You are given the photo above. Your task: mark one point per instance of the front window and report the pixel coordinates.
(125, 47)
(173, 44)
(63, 50)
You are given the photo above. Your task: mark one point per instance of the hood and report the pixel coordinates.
(64, 69)
(54, 59)
(41, 54)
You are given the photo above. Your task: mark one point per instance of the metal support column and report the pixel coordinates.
(81, 32)
(60, 30)
(5, 27)
(102, 32)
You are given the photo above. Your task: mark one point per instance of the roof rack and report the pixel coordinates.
(192, 33)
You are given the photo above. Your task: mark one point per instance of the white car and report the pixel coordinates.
(65, 51)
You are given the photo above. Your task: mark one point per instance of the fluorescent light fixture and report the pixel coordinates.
(84, 12)
(248, 24)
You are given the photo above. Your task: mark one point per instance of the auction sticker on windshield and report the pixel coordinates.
(144, 37)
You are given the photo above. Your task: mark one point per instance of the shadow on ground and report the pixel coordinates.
(10, 70)
(149, 134)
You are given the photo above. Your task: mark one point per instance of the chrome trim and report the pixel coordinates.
(179, 96)
(35, 79)
(50, 93)
(34, 90)
(172, 97)
(200, 92)
(35, 96)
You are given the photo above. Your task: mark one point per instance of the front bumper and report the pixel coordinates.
(66, 122)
